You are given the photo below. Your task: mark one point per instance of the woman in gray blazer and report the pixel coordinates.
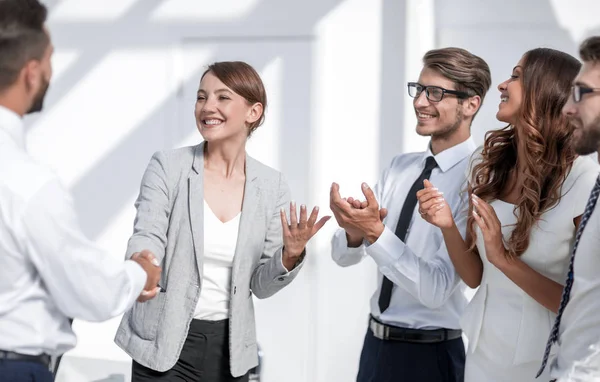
(216, 220)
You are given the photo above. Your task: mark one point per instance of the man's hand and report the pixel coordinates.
(364, 220)
(149, 263)
(356, 203)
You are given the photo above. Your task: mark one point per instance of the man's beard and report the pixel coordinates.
(38, 101)
(447, 131)
(588, 141)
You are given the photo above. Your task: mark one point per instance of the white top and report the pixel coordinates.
(49, 271)
(502, 322)
(428, 292)
(220, 241)
(580, 323)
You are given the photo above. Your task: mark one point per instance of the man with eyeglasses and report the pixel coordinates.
(413, 332)
(577, 325)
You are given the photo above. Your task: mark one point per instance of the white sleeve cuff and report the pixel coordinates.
(387, 249)
(138, 277)
(343, 242)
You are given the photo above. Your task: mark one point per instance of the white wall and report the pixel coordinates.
(336, 73)
(502, 31)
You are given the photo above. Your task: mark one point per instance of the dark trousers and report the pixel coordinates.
(396, 361)
(24, 371)
(204, 357)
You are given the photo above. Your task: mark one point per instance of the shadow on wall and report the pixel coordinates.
(109, 186)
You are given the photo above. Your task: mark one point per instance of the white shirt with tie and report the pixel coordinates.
(49, 271)
(579, 339)
(427, 293)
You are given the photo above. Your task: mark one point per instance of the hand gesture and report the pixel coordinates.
(149, 263)
(356, 203)
(433, 207)
(358, 222)
(490, 226)
(297, 233)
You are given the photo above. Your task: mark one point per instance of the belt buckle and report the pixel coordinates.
(381, 331)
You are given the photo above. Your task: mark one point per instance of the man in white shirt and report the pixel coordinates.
(413, 330)
(49, 271)
(577, 326)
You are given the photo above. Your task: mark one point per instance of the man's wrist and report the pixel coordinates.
(374, 232)
(354, 241)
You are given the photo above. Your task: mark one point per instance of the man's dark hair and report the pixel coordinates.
(589, 50)
(22, 37)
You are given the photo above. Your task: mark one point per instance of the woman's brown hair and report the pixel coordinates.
(543, 134)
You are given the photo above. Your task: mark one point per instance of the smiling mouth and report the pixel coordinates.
(212, 122)
(425, 115)
(503, 99)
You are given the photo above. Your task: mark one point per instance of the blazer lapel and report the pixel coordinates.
(247, 220)
(196, 204)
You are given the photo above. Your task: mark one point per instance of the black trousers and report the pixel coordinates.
(204, 357)
(396, 361)
(24, 371)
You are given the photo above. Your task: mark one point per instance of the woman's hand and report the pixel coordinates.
(297, 233)
(433, 207)
(491, 228)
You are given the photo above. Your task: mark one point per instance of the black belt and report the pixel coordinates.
(44, 359)
(423, 336)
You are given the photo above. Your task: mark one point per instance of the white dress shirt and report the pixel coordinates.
(427, 293)
(580, 324)
(220, 240)
(49, 271)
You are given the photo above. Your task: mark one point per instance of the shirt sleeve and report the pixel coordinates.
(270, 276)
(343, 255)
(431, 279)
(84, 281)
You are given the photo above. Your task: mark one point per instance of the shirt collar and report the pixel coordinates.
(451, 156)
(12, 124)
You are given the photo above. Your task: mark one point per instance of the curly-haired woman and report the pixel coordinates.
(527, 190)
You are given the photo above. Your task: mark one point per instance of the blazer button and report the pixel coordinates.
(281, 279)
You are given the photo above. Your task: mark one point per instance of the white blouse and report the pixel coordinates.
(503, 322)
(220, 240)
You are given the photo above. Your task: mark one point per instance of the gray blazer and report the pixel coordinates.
(169, 222)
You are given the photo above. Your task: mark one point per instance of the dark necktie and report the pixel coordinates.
(402, 228)
(589, 208)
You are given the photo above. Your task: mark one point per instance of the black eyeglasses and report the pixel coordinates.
(433, 93)
(579, 91)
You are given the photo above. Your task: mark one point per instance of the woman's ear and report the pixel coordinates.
(255, 112)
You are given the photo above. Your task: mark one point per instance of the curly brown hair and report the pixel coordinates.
(543, 133)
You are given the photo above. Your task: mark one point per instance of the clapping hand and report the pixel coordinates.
(358, 219)
(433, 207)
(491, 229)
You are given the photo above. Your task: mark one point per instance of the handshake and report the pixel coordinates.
(149, 263)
